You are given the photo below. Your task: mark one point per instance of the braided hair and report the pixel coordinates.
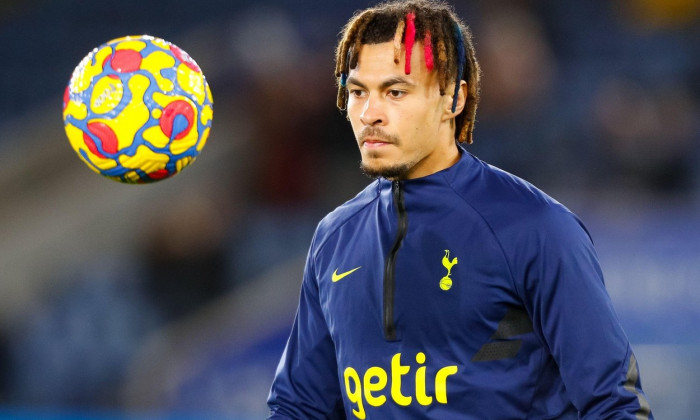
(447, 46)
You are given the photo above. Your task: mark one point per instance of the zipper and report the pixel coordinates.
(389, 327)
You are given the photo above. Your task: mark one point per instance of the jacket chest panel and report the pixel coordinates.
(445, 278)
(451, 281)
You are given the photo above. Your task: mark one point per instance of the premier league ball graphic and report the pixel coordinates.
(137, 109)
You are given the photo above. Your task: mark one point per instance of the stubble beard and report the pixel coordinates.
(391, 172)
(394, 172)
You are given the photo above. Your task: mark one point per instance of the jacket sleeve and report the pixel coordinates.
(564, 293)
(306, 383)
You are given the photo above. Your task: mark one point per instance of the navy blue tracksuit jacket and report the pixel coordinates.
(466, 294)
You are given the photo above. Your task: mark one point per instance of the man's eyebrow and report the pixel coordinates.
(353, 81)
(396, 80)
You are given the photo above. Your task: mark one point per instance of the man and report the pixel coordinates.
(447, 289)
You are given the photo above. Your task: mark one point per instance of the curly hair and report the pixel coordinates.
(447, 46)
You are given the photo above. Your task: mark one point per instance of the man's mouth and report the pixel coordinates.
(375, 137)
(374, 142)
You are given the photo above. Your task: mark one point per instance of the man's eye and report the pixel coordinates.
(356, 93)
(396, 93)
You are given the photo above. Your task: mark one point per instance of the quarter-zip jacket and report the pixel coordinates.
(466, 294)
(389, 329)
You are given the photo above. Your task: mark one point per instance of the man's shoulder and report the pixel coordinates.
(506, 201)
(348, 210)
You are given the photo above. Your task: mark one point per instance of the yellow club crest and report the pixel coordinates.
(446, 281)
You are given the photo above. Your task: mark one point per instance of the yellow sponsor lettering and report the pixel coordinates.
(441, 383)
(397, 371)
(355, 396)
(371, 387)
(421, 396)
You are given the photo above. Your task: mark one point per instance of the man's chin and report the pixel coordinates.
(396, 171)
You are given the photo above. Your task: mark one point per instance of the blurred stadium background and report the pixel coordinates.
(174, 300)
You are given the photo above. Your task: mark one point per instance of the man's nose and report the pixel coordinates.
(373, 113)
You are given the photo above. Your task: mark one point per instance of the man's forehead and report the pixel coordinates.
(377, 61)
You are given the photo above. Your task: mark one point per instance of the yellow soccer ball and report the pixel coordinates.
(137, 109)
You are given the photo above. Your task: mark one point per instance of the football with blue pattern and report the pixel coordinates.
(137, 109)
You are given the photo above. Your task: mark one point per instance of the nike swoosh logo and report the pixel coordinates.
(340, 276)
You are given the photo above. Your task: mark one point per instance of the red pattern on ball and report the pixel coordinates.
(106, 135)
(125, 61)
(185, 58)
(66, 97)
(159, 174)
(170, 112)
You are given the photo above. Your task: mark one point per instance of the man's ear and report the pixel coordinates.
(461, 100)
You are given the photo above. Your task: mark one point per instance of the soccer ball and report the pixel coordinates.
(137, 109)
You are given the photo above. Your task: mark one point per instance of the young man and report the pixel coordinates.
(447, 289)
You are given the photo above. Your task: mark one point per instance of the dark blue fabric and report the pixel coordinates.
(516, 249)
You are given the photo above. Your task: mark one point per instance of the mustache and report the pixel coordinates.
(378, 133)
